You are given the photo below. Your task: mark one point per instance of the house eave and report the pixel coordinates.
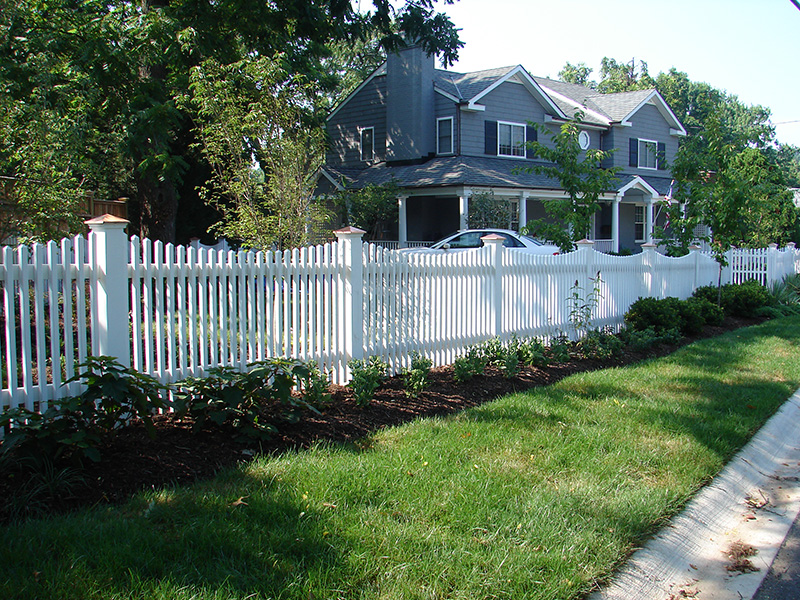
(534, 88)
(381, 70)
(661, 105)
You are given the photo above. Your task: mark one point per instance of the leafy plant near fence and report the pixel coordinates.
(367, 375)
(468, 366)
(666, 314)
(737, 299)
(240, 400)
(582, 304)
(416, 377)
(602, 344)
(73, 427)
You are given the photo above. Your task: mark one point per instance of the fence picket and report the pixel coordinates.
(194, 309)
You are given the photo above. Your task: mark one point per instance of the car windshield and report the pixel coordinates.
(533, 240)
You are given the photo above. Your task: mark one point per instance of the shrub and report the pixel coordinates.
(504, 356)
(638, 340)
(367, 376)
(238, 399)
(707, 292)
(691, 316)
(416, 378)
(533, 353)
(744, 299)
(601, 344)
(467, 366)
(659, 315)
(73, 427)
(737, 299)
(313, 384)
(558, 350)
(711, 313)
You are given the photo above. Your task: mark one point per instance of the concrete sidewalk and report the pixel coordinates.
(750, 505)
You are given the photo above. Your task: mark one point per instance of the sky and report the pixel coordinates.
(748, 48)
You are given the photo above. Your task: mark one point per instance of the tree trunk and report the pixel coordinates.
(158, 205)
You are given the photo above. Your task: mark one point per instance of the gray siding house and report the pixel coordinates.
(444, 136)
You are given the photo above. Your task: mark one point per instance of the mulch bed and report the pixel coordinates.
(132, 461)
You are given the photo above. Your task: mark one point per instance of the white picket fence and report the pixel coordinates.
(173, 312)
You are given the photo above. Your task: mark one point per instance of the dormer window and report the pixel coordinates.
(368, 144)
(444, 135)
(510, 139)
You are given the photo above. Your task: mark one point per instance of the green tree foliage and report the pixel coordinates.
(115, 74)
(582, 178)
(372, 208)
(578, 74)
(623, 77)
(730, 175)
(249, 120)
(485, 210)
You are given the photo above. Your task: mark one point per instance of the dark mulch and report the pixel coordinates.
(132, 461)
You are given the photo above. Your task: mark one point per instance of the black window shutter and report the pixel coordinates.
(490, 147)
(661, 154)
(633, 152)
(531, 135)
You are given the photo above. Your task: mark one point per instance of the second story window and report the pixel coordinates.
(648, 154)
(444, 135)
(368, 143)
(510, 139)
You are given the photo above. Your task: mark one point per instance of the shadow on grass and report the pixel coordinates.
(254, 536)
(256, 541)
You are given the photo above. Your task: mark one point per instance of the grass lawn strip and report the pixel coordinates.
(535, 495)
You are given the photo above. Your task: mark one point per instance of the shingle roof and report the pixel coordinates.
(468, 85)
(620, 105)
(468, 171)
(451, 171)
(569, 97)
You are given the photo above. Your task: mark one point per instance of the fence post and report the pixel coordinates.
(694, 250)
(109, 287)
(495, 244)
(772, 263)
(649, 251)
(584, 247)
(791, 249)
(351, 257)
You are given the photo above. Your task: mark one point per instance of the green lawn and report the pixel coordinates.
(536, 495)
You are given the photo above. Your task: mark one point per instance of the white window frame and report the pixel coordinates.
(361, 144)
(637, 222)
(522, 147)
(643, 151)
(439, 123)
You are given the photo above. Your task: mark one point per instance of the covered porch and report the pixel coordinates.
(625, 221)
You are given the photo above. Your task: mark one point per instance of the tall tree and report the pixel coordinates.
(578, 74)
(730, 174)
(623, 77)
(250, 124)
(136, 59)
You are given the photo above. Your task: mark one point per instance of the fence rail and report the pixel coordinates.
(175, 311)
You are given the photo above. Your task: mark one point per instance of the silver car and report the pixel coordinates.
(471, 238)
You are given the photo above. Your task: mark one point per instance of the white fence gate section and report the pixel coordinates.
(173, 311)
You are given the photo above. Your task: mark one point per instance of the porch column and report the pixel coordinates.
(648, 229)
(523, 209)
(615, 222)
(463, 208)
(402, 221)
